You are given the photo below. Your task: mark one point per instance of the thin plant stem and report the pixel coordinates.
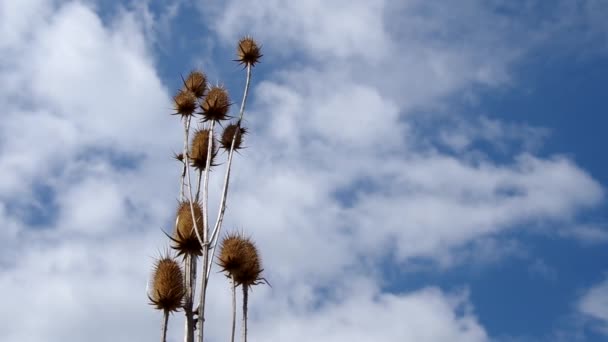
(190, 275)
(189, 260)
(163, 329)
(204, 280)
(205, 245)
(220, 216)
(245, 299)
(233, 308)
(198, 185)
(181, 179)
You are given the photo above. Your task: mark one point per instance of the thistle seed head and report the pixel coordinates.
(184, 102)
(200, 147)
(228, 135)
(185, 241)
(248, 52)
(167, 285)
(215, 105)
(240, 259)
(196, 83)
(178, 156)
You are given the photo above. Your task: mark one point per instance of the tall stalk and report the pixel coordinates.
(233, 308)
(245, 300)
(163, 327)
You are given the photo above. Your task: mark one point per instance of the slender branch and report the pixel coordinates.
(190, 275)
(233, 308)
(194, 221)
(206, 184)
(189, 261)
(220, 216)
(245, 299)
(205, 246)
(203, 294)
(182, 195)
(201, 305)
(163, 328)
(198, 185)
(181, 179)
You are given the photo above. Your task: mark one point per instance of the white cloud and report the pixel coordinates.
(594, 304)
(366, 315)
(586, 233)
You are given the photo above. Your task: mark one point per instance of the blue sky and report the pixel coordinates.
(416, 171)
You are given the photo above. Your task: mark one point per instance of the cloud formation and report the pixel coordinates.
(594, 305)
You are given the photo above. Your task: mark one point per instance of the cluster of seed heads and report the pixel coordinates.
(173, 285)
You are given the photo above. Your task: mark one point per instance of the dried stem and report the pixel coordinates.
(206, 266)
(163, 329)
(220, 216)
(198, 185)
(190, 275)
(201, 308)
(233, 308)
(189, 261)
(201, 317)
(245, 300)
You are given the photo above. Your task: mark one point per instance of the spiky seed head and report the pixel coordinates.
(200, 147)
(216, 104)
(250, 273)
(231, 256)
(196, 83)
(167, 285)
(228, 135)
(185, 241)
(184, 102)
(178, 156)
(248, 51)
(240, 259)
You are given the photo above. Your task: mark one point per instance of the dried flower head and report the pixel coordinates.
(248, 52)
(196, 83)
(184, 238)
(178, 156)
(200, 148)
(215, 105)
(184, 102)
(240, 259)
(228, 135)
(167, 285)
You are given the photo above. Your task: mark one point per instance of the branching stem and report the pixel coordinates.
(220, 216)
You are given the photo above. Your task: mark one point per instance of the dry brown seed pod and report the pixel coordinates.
(200, 148)
(178, 156)
(231, 256)
(240, 259)
(249, 273)
(184, 102)
(215, 105)
(248, 52)
(167, 285)
(228, 134)
(184, 238)
(196, 83)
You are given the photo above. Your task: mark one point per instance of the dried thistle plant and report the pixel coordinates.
(194, 236)
(167, 289)
(240, 259)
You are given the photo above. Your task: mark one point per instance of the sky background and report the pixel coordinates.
(415, 171)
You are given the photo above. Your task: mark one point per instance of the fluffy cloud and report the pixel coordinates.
(594, 305)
